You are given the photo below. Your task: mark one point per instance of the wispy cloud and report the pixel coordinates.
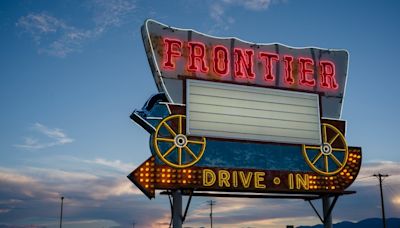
(219, 11)
(114, 164)
(53, 137)
(55, 37)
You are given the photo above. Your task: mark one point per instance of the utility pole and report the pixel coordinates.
(61, 215)
(379, 176)
(211, 202)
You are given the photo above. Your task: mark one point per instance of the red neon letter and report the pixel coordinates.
(328, 72)
(288, 69)
(197, 51)
(241, 62)
(269, 57)
(221, 60)
(304, 71)
(170, 51)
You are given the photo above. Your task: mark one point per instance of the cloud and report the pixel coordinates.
(219, 11)
(32, 196)
(92, 195)
(250, 4)
(55, 37)
(116, 164)
(54, 137)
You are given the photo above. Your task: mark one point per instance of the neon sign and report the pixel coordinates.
(244, 63)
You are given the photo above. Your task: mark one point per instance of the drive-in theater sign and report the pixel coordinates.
(234, 116)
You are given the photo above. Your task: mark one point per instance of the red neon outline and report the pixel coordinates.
(331, 75)
(288, 79)
(269, 57)
(169, 52)
(240, 61)
(217, 60)
(304, 72)
(193, 56)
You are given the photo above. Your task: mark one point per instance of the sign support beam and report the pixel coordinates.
(327, 209)
(176, 209)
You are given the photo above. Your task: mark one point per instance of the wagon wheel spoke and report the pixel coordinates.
(190, 152)
(316, 158)
(324, 135)
(326, 163)
(334, 138)
(172, 132)
(339, 149)
(180, 125)
(165, 140)
(169, 151)
(180, 155)
(313, 147)
(334, 158)
(196, 142)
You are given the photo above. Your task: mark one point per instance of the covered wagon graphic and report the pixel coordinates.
(227, 104)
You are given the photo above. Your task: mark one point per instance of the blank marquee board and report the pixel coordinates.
(231, 111)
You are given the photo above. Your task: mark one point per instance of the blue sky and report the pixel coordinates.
(71, 72)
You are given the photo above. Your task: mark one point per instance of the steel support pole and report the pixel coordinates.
(326, 204)
(176, 209)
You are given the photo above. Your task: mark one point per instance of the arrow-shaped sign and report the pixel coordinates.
(150, 176)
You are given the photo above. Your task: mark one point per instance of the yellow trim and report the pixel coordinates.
(185, 149)
(325, 169)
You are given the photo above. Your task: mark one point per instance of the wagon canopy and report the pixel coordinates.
(177, 54)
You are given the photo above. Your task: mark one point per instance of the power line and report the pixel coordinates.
(380, 178)
(211, 203)
(61, 214)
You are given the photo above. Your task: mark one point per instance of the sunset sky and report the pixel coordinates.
(71, 73)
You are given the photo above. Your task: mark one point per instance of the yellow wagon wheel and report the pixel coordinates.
(173, 147)
(331, 156)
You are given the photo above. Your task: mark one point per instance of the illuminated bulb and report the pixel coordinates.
(163, 170)
(163, 175)
(190, 176)
(141, 169)
(350, 177)
(147, 164)
(184, 181)
(169, 175)
(184, 171)
(169, 170)
(147, 180)
(147, 174)
(141, 180)
(189, 171)
(163, 180)
(146, 185)
(147, 169)
(168, 181)
(141, 174)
